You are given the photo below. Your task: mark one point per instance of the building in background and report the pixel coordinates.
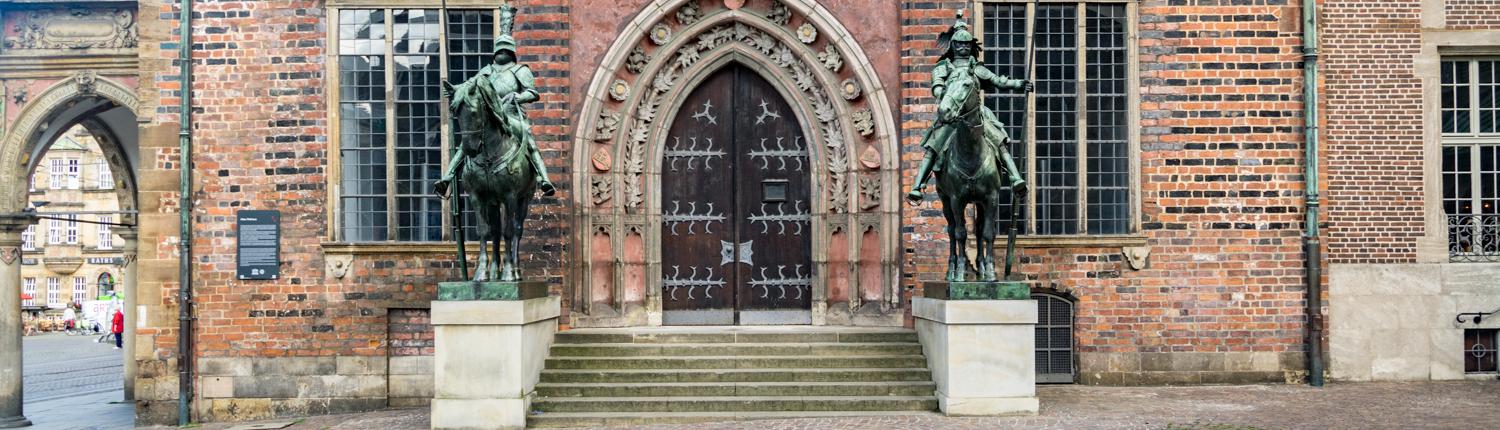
(66, 262)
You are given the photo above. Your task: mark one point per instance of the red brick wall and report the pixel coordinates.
(1473, 14)
(1221, 185)
(410, 332)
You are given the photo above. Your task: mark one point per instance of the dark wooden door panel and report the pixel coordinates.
(697, 200)
(736, 199)
(773, 199)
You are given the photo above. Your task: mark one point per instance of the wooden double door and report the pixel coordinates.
(736, 228)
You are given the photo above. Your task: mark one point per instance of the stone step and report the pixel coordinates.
(587, 336)
(732, 362)
(734, 375)
(720, 389)
(734, 404)
(734, 349)
(593, 419)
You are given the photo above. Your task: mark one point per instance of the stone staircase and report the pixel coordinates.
(604, 377)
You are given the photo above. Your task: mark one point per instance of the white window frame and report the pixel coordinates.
(1473, 139)
(80, 289)
(54, 232)
(105, 176)
(74, 173)
(56, 173)
(28, 287)
(28, 238)
(53, 287)
(70, 230)
(106, 237)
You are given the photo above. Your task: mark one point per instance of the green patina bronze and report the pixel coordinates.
(998, 290)
(496, 160)
(491, 290)
(967, 150)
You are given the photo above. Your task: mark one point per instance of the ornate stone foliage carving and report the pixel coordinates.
(637, 60)
(779, 14)
(620, 91)
(869, 192)
(850, 89)
(609, 122)
(831, 59)
(602, 188)
(76, 28)
(689, 13)
(779, 54)
(807, 33)
(864, 122)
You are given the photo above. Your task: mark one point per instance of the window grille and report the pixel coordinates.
(1479, 351)
(1054, 339)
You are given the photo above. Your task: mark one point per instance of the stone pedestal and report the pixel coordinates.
(981, 353)
(489, 357)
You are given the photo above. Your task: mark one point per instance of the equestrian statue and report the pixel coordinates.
(495, 159)
(967, 150)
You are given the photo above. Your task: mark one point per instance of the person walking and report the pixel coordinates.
(70, 318)
(118, 328)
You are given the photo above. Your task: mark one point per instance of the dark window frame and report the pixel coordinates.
(390, 133)
(1094, 109)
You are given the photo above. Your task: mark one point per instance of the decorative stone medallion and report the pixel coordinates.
(620, 91)
(850, 89)
(734, 4)
(806, 33)
(661, 34)
(601, 159)
(870, 158)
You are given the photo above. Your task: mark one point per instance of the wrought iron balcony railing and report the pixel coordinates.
(1474, 238)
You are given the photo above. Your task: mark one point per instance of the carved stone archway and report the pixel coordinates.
(51, 110)
(800, 48)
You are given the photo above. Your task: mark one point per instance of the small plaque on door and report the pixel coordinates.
(773, 190)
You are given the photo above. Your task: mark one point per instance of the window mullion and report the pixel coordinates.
(444, 141)
(1475, 185)
(1081, 118)
(390, 126)
(1030, 120)
(1473, 98)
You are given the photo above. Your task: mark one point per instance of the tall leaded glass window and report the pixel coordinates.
(1471, 157)
(391, 119)
(1076, 150)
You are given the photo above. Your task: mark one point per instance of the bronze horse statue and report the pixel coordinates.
(497, 176)
(973, 175)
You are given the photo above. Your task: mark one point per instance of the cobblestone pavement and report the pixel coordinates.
(1437, 405)
(57, 366)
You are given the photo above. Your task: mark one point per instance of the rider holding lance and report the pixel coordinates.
(516, 84)
(957, 64)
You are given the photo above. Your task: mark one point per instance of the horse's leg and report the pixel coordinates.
(519, 207)
(984, 227)
(481, 266)
(497, 234)
(957, 255)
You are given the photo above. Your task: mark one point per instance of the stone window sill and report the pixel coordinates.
(1113, 241)
(382, 248)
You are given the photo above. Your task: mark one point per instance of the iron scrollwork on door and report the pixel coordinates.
(798, 282)
(727, 253)
(674, 282)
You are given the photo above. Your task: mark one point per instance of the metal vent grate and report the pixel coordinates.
(1054, 339)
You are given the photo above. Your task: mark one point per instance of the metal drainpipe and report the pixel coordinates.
(185, 210)
(1311, 246)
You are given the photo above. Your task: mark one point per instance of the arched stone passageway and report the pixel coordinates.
(108, 110)
(839, 102)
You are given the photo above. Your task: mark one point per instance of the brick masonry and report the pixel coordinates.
(1221, 299)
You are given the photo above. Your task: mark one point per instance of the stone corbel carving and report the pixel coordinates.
(1136, 256)
(86, 81)
(337, 266)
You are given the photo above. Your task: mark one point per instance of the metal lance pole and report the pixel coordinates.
(1015, 198)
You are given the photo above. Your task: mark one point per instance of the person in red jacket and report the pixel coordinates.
(118, 328)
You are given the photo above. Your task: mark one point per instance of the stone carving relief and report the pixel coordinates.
(869, 192)
(850, 89)
(9, 254)
(637, 60)
(609, 122)
(337, 265)
(807, 33)
(864, 122)
(779, 14)
(831, 59)
(602, 188)
(75, 29)
(661, 34)
(689, 13)
(85, 81)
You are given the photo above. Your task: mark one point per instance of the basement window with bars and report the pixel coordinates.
(1480, 352)
(1471, 158)
(390, 122)
(1054, 339)
(1078, 142)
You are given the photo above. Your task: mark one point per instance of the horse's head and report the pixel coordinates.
(476, 120)
(961, 96)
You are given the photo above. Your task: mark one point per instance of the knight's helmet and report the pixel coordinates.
(506, 42)
(958, 33)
